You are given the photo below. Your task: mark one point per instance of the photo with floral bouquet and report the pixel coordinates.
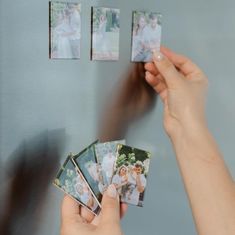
(130, 174)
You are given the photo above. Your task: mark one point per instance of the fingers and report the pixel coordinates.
(158, 84)
(152, 79)
(69, 208)
(110, 207)
(186, 66)
(87, 215)
(123, 209)
(151, 68)
(167, 69)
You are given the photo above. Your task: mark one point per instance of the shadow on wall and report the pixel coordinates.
(131, 99)
(31, 169)
(35, 162)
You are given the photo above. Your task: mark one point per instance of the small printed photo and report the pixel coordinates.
(87, 165)
(72, 183)
(65, 30)
(130, 175)
(105, 33)
(106, 157)
(146, 35)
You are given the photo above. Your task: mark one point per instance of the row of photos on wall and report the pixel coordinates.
(65, 33)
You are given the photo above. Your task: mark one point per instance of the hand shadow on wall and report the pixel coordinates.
(31, 169)
(132, 99)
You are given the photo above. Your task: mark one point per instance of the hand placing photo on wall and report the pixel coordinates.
(130, 175)
(146, 35)
(65, 30)
(105, 33)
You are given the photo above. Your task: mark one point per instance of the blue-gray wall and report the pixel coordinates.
(38, 93)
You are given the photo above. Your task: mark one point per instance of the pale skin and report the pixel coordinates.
(211, 191)
(122, 173)
(210, 188)
(76, 220)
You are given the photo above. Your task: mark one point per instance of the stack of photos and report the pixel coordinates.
(146, 35)
(86, 175)
(65, 30)
(105, 33)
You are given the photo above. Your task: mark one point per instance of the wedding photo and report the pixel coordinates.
(130, 175)
(65, 30)
(87, 165)
(105, 33)
(106, 157)
(146, 35)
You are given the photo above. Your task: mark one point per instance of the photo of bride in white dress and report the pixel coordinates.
(105, 33)
(65, 30)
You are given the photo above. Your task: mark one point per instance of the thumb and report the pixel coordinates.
(167, 69)
(110, 207)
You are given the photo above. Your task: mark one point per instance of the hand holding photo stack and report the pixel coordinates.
(86, 175)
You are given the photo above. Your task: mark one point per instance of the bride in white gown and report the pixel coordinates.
(62, 33)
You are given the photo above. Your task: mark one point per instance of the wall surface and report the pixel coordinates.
(37, 93)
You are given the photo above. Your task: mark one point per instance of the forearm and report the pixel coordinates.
(209, 185)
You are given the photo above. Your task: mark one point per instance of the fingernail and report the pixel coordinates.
(111, 191)
(157, 55)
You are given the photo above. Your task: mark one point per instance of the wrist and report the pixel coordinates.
(189, 133)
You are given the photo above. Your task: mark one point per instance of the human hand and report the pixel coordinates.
(77, 220)
(182, 87)
(134, 174)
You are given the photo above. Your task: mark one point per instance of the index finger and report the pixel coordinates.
(184, 64)
(87, 215)
(70, 208)
(149, 66)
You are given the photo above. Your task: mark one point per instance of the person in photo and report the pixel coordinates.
(151, 36)
(107, 166)
(136, 184)
(61, 34)
(103, 42)
(137, 42)
(94, 171)
(120, 178)
(75, 24)
(85, 194)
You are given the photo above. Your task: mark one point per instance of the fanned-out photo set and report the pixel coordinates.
(64, 30)
(86, 164)
(146, 35)
(72, 183)
(105, 34)
(86, 175)
(106, 157)
(130, 175)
